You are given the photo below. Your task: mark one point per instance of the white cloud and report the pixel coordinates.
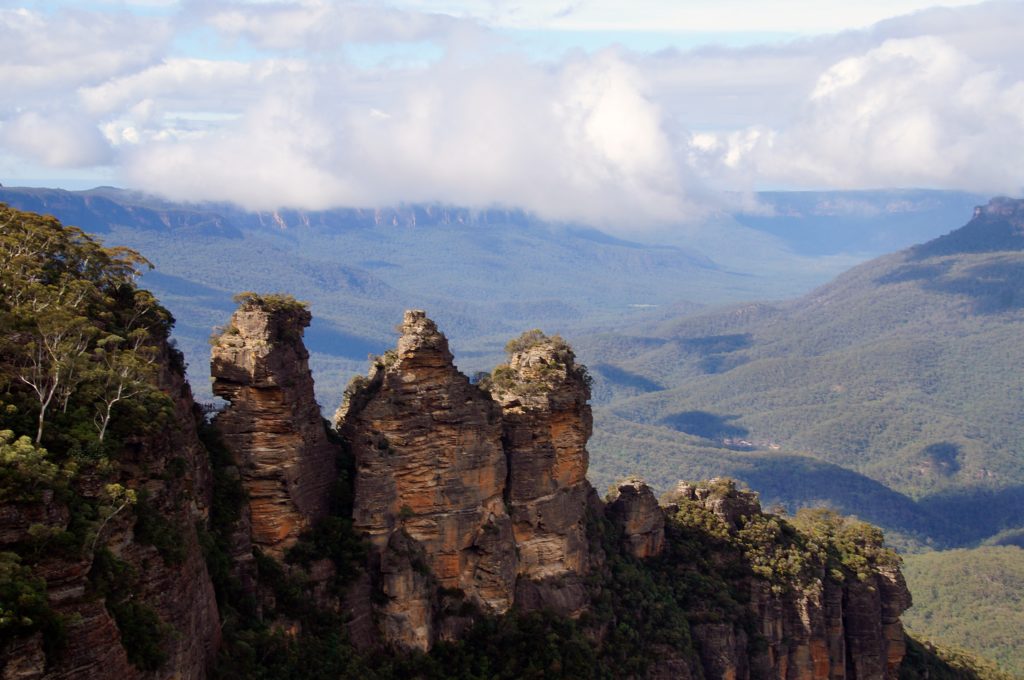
(910, 112)
(58, 141)
(43, 54)
(261, 103)
(578, 142)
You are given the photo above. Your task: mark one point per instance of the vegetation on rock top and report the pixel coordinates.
(270, 302)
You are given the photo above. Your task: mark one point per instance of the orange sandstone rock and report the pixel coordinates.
(429, 468)
(272, 425)
(547, 421)
(635, 508)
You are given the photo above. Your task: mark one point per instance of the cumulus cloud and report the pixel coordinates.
(910, 112)
(45, 57)
(262, 103)
(581, 141)
(43, 54)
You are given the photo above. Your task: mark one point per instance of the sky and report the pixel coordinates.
(575, 110)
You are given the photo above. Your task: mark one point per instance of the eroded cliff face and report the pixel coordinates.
(170, 473)
(482, 494)
(272, 425)
(430, 477)
(828, 623)
(180, 592)
(546, 422)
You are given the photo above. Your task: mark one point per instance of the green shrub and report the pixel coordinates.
(24, 607)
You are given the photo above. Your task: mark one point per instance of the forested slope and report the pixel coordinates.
(972, 599)
(904, 372)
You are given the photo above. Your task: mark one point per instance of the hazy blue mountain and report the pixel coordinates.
(893, 392)
(484, 275)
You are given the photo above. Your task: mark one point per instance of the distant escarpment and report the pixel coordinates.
(441, 528)
(996, 226)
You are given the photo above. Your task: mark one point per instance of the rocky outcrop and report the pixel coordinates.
(484, 490)
(635, 509)
(547, 421)
(272, 425)
(828, 624)
(430, 478)
(720, 496)
(473, 499)
(432, 491)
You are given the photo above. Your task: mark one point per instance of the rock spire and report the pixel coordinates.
(272, 425)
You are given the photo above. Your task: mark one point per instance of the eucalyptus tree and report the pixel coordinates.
(74, 324)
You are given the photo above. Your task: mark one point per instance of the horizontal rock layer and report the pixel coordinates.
(272, 425)
(430, 478)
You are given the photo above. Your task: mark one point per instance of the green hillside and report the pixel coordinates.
(972, 599)
(904, 372)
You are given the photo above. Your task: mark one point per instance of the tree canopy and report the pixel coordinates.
(79, 337)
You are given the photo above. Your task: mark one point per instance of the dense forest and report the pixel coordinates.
(972, 599)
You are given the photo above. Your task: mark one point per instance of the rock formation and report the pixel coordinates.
(432, 451)
(720, 496)
(273, 425)
(820, 628)
(431, 473)
(634, 507)
(546, 424)
(472, 501)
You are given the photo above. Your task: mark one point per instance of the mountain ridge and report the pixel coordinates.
(896, 370)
